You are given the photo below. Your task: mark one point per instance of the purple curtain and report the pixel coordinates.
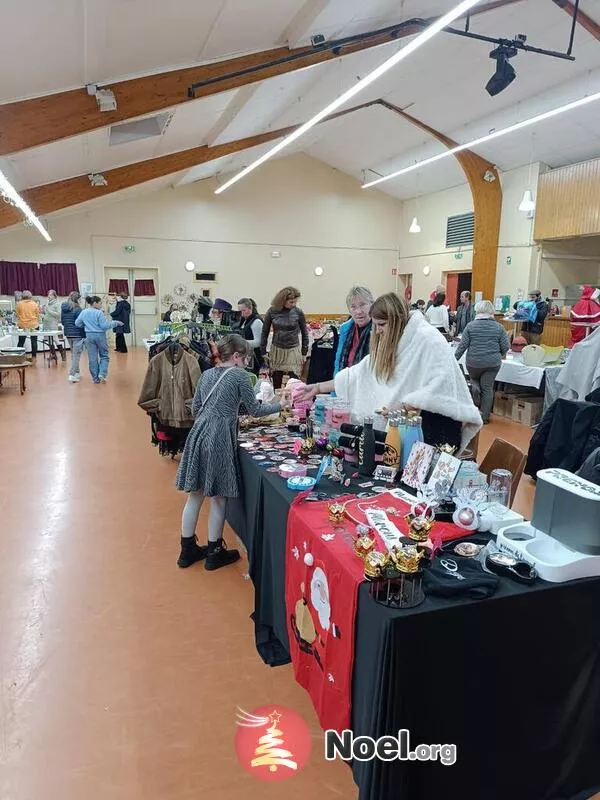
(144, 288)
(118, 285)
(60, 277)
(17, 276)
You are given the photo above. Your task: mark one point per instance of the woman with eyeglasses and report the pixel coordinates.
(355, 335)
(409, 365)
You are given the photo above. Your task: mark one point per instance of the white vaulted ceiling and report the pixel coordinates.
(64, 44)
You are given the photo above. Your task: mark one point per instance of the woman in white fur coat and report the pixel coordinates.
(412, 365)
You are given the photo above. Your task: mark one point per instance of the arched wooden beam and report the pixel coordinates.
(70, 192)
(41, 120)
(487, 206)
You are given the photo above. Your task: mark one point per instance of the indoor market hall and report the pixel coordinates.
(300, 400)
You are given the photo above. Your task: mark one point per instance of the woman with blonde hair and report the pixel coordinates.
(287, 354)
(409, 365)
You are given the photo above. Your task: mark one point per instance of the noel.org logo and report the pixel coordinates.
(272, 743)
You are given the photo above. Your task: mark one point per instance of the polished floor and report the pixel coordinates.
(120, 675)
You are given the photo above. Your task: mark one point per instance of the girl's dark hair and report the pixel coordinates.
(231, 344)
(439, 299)
(281, 298)
(249, 303)
(123, 295)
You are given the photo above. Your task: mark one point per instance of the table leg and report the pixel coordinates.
(22, 377)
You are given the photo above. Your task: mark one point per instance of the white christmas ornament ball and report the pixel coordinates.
(309, 560)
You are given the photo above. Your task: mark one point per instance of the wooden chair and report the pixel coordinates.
(503, 455)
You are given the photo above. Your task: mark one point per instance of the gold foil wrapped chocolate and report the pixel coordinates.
(419, 527)
(406, 559)
(336, 512)
(364, 545)
(375, 564)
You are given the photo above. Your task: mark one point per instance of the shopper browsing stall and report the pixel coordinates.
(209, 464)
(28, 318)
(411, 365)
(355, 335)
(485, 342)
(250, 327)
(52, 312)
(465, 313)
(437, 314)
(70, 310)
(289, 326)
(122, 314)
(95, 325)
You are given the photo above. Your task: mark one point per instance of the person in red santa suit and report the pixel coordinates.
(585, 315)
(312, 623)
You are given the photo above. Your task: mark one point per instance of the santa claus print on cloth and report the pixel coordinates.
(311, 627)
(321, 594)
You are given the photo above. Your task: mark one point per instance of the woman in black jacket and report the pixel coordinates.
(122, 313)
(250, 327)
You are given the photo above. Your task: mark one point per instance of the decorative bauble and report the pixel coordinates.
(309, 559)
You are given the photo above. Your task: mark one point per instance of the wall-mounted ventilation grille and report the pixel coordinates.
(460, 230)
(206, 277)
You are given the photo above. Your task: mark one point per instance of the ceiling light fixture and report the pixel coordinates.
(493, 135)
(14, 198)
(527, 203)
(399, 56)
(505, 72)
(105, 98)
(97, 179)
(414, 226)
(319, 271)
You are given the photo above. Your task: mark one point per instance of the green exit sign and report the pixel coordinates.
(458, 256)
(129, 248)
(509, 260)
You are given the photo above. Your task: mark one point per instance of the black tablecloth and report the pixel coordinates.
(513, 681)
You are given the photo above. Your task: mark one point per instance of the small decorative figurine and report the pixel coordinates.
(406, 559)
(375, 564)
(336, 512)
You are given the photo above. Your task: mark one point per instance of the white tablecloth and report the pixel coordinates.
(513, 370)
(6, 341)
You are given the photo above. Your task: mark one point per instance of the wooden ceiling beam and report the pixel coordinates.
(583, 19)
(56, 196)
(487, 206)
(41, 120)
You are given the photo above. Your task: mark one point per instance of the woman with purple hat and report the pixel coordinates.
(218, 309)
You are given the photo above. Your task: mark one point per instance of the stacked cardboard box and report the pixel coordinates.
(522, 408)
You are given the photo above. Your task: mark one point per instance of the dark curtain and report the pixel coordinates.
(60, 277)
(144, 288)
(118, 285)
(18, 276)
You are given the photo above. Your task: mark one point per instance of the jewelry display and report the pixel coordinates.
(468, 549)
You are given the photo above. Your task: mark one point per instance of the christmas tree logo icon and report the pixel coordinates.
(272, 743)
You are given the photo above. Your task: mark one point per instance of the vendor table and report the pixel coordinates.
(46, 339)
(513, 681)
(6, 369)
(513, 370)
(6, 341)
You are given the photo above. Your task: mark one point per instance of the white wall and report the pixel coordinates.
(428, 248)
(314, 215)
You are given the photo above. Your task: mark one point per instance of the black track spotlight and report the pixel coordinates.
(505, 72)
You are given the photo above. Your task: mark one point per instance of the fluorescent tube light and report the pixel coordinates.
(9, 190)
(413, 45)
(494, 135)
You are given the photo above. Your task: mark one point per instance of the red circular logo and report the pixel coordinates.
(272, 743)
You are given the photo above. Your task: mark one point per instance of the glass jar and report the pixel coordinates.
(500, 486)
(340, 413)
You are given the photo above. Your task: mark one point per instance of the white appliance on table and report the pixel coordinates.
(562, 541)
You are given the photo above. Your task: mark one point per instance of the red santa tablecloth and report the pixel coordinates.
(321, 593)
